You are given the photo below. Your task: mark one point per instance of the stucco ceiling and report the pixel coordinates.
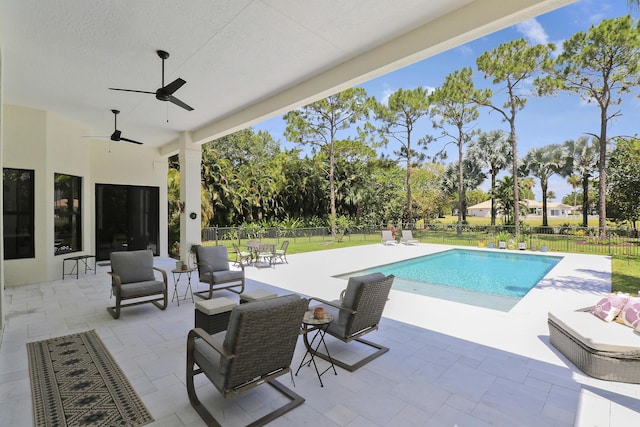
(243, 60)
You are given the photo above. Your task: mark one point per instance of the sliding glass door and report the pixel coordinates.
(127, 219)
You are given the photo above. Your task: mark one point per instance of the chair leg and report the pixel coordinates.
(295, 399)
(165, 301)
(115, 310)
(380, 351)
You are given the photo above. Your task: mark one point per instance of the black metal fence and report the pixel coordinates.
(240, 234)
(619, 241)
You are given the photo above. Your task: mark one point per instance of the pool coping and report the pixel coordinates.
(577, 281)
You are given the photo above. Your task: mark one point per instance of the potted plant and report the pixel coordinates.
(503, 237)
(522, 242)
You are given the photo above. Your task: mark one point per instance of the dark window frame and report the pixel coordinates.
(18, 212)
(67, 223)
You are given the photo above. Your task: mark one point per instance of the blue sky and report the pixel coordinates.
(543, 121)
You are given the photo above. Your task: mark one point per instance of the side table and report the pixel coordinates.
(177, 273)
(76, 261)
(310, 324)
(213, 315)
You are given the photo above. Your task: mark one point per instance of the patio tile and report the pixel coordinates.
(487, 368)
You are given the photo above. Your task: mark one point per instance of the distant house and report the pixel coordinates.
(534, 208)
(482, 209)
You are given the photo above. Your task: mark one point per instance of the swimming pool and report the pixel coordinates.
(490, 279)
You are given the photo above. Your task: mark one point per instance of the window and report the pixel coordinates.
(67, 210)
(18, 215)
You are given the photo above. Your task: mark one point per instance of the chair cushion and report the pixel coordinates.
(215, 305)
(140, 289)
(353, 287)
(596, 334)
(217, 257)
(257, 295)
(209, 360)
(133, 266)
(339, 324)
(222, 276)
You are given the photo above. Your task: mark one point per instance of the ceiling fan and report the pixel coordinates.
(164, 93)
(117, 135)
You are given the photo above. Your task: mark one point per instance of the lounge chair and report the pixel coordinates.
(257, 347)
(387, 238)
(356, 313)
(407, 238)
(132, 277)
(213, 269)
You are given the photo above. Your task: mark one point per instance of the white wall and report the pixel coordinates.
(48, 144)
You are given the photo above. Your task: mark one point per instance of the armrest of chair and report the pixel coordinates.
(116, 282)
(214, 344)
(331, 304)
(164, 275)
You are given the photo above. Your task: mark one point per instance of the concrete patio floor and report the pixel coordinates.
(449, 364)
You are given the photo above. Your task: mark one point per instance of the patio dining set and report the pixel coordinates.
(261, 254)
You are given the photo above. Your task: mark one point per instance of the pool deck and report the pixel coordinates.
(449, 364)
(575, 282)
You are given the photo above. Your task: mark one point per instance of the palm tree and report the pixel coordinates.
(504, 194)
(573, 181)
(542, 163)
(492, 150)
(472, 178)
(582, 158)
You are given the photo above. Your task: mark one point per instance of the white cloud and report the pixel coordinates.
(387, 92)
(429, 89)
(533, 31)
(465, 50)
(384, 99)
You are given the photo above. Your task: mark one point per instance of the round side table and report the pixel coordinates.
(310, 324)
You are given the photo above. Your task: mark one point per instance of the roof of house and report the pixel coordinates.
(531, 204)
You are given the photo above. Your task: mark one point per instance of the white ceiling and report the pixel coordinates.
(243, 60)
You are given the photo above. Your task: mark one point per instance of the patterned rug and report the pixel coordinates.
(76, 382)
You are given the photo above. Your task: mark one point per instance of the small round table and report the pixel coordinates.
(310, 324)
(177, 273)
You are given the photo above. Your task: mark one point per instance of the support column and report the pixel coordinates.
(190, 157)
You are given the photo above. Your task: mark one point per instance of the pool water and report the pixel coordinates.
(490, 279)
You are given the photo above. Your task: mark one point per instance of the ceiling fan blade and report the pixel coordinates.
(131, 90)
(179, 103)
(130, 140)
(173, 86)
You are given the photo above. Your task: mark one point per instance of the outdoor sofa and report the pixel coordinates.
(607, 350)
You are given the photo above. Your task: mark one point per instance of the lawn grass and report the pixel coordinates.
(625, 274)
(574, 220)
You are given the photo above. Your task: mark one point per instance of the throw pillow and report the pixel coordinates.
(630, 313)
(609, 307)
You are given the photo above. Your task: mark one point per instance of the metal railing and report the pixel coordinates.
(619, 241)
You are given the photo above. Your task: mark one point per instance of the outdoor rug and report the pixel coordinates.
(76, 382)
